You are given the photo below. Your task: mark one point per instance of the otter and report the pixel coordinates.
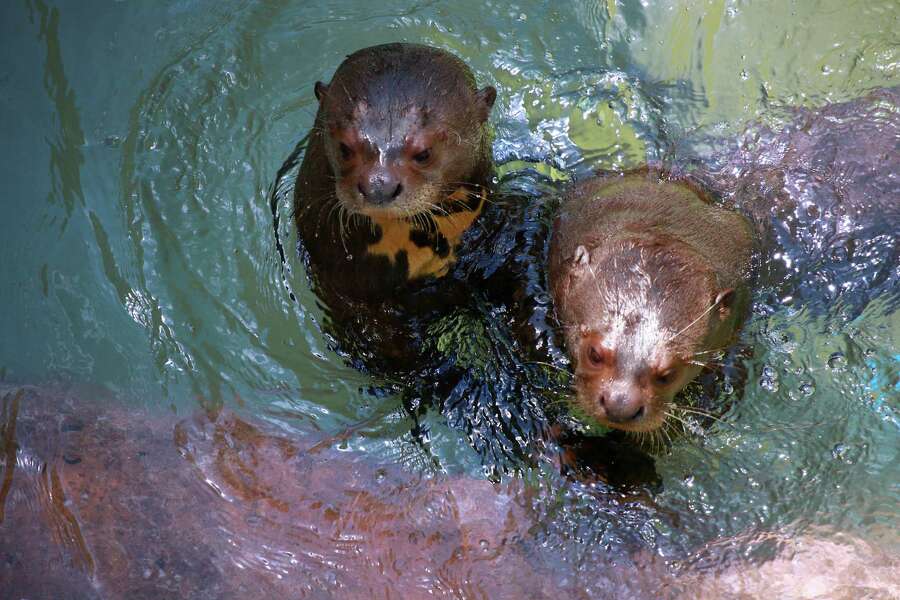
(649, 280)
(396, 170)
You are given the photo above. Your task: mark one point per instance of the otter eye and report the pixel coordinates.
(664, 377)
(423, 156)
(595, 357)
(346, 152)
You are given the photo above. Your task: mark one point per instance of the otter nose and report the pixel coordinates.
(622, 407)
(380, 188)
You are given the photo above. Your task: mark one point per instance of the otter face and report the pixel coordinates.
(623, 390)
(639, 326)
(397, 156)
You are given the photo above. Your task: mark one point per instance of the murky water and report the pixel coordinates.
(141, 143)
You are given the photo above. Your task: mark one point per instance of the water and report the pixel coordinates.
(141, 143)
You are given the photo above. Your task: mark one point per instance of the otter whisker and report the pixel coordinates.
(336, 205)
(710, 351)
(691, 324)
(706, 415)
(696, 411)
(437, 208)
(343, 214)
(482, 195)
(664, 438)
(466, 193)
(710, 364)
(672, 426)
(556, 402)
(697, 363)
(417, 222)
(452, 217)
(332, 200)
(547, 364)
(637, 436)
(687, 426)
(424, 221)
(428, 222)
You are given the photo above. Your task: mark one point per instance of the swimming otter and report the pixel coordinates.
(395, 170)
(648, 280)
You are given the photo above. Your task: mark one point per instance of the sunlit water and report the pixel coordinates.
(141, 144)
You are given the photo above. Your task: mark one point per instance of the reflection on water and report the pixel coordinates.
(145, 140)
(107, 504)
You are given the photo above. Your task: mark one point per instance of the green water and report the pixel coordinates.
(140, 142)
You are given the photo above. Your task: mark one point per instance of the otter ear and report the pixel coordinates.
(724, 301)
(321, 89)
(485, 98)
(580, 260)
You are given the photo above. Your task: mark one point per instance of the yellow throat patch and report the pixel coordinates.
(397, 236)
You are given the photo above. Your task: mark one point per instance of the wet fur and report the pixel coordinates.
(382, 93)
(651, 274)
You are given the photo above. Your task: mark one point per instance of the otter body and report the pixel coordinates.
(649, 280)
(395, 170)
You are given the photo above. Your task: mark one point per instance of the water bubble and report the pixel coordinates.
(837, 361)
(349, 257)
(807, 388)
(745, 75)
(848, 453)
(769, 379)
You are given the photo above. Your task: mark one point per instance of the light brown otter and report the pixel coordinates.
(649, 280)
(395, 170)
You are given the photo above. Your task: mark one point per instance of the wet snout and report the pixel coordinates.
(380, 186)
(622, 406)
(620, 402)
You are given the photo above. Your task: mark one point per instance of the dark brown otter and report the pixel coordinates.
(649, 281)
(395, 170)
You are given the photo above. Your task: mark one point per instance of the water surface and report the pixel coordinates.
(141, 144)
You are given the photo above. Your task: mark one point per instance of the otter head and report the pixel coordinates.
(640, 318)
(403, 127)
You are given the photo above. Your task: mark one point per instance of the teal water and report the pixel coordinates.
(141, 143)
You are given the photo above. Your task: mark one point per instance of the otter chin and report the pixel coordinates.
(649, 282)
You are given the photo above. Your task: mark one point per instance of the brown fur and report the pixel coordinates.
(648, 279)
(399, 151)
